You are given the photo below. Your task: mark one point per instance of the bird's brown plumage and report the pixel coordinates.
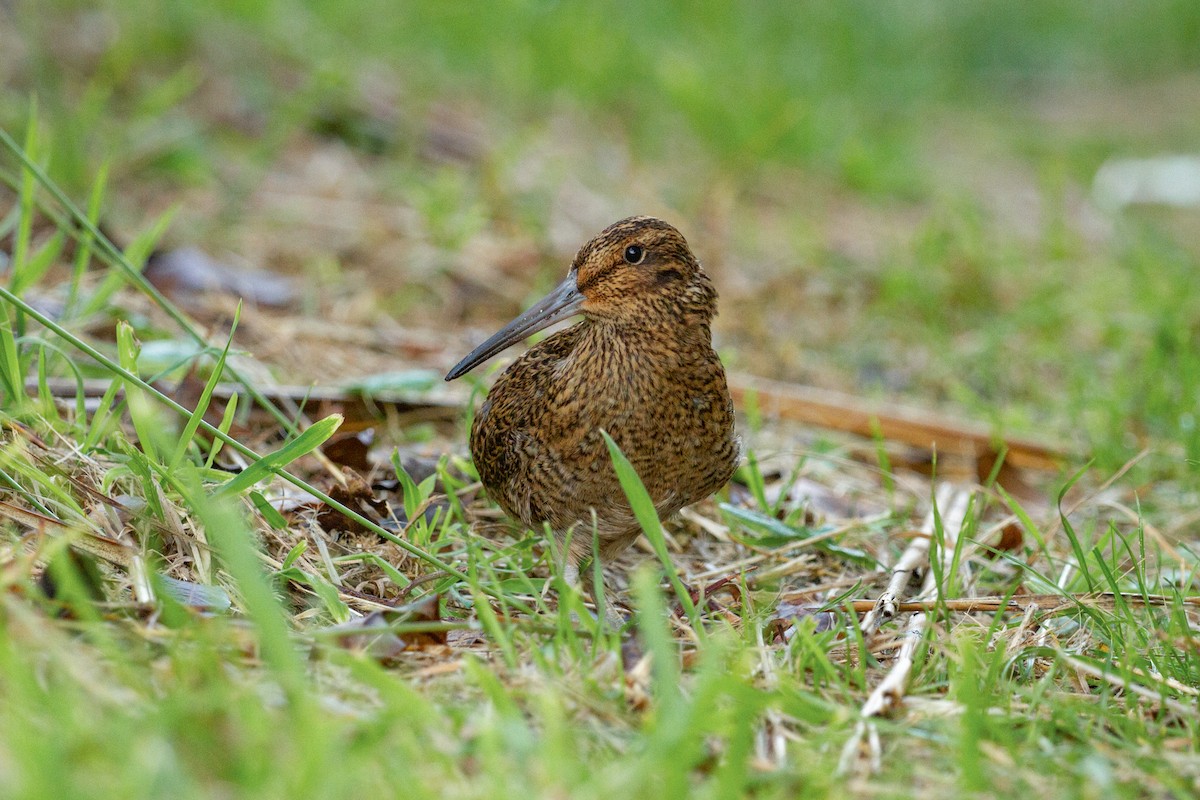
(640, 366)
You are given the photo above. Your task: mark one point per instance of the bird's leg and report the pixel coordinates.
(568, 568)
(565, 558)
(594, 584)
(568, 558)
(581, 572)
(592, 589)
(560, 553)
(570, 573)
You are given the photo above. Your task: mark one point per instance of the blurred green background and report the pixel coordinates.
(895, 198)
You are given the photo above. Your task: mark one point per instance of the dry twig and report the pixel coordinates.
(916, 427)
(951, 502)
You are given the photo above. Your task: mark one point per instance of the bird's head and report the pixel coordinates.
(636, 272)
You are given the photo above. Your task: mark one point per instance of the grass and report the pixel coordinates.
(900, 188)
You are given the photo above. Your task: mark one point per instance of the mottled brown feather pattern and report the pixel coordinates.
(639, 366)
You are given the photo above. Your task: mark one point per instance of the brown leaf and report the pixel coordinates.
(783, 622)
(351, 449)
(373, 634)
(358, 496)
(1011, 538)
(725, 585)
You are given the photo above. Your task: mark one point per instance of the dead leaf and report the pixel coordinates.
(787, 614)
(1011, 538)
(725, 585)
(351, 449)
(356, 495)
(374, 634)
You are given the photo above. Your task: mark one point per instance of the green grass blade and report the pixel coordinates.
(231, 539)
(85, 243)
(25, 199)
(272, 463)
(135, 256)
(222, 429)
(1081, 559)
(781, 533)
(193, 422)
(36, 264)
(647, 517)
(142, 412)
(12, 374)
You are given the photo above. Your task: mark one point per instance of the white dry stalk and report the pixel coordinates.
(910, 560)
(710, 526)
(330, 569)
(1082, 668)
(139, 579)
(952, 501)
(773, 743)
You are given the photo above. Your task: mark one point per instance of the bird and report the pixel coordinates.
(640, 366)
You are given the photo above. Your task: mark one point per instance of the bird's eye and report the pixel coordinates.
(634, 254)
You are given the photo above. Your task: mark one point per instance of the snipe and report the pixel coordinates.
(640, 365)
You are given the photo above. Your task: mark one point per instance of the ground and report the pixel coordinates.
(903, 205)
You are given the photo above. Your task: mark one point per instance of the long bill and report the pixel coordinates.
(564, 301)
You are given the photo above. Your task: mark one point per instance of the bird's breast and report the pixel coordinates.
(537, 438)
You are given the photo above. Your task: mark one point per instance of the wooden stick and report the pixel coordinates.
(794, 402)
(916, 427)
